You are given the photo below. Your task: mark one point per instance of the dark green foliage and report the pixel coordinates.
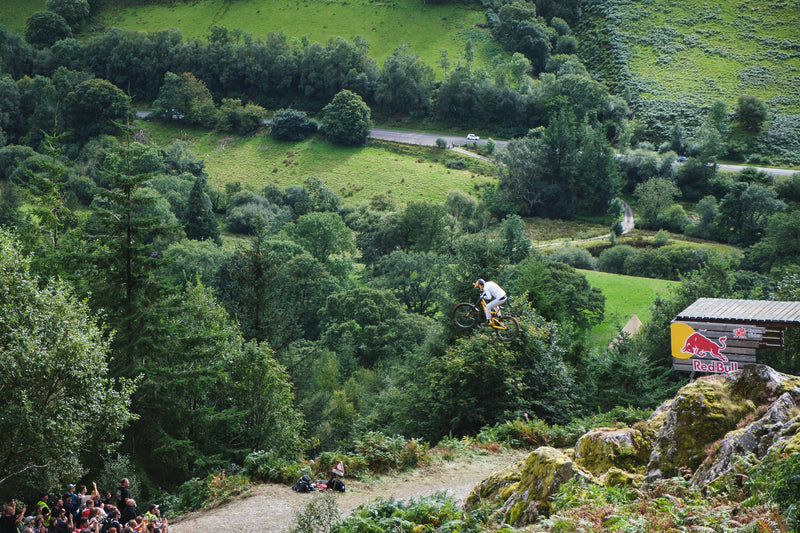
(50, 338)
(438, 511)
(75, 12)
(573, 256)
(45, 28)
(321, 234)
(370, 325)
(570, 169)
(235, 117)
(185, 98)
(10, 158)
(200, 223)
(10, 106)
(516, 244)
(745, 211)
(557, 291)
(418, 279)
(405, 84)
(347, 119)
(477, 381)
(291, 125)
(208, 397)
(780, 246)
(96, 107)
(751, 111)
(193, 261)
(622, 376)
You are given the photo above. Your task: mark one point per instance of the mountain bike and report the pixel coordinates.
(466, 315)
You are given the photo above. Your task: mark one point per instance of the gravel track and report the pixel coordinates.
(271, 507)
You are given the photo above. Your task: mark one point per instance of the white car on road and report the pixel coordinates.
(473, 137)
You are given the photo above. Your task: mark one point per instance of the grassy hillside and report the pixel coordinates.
(700, 51)
(426, 28)
(14, 13)
(625, 296)
(402, 172)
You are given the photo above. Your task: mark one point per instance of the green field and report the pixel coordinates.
(426, 28)
(402, 172)
(701, 51)
(625, 296)
(14, 13)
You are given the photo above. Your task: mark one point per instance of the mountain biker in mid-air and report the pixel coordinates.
(492, 295)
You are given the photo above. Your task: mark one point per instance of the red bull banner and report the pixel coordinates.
(704, 350)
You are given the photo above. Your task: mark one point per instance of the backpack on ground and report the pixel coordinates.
(303, 484)
(336, 484)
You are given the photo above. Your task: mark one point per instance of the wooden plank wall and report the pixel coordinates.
(741, 342)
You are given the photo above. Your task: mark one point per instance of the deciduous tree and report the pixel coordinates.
(54, 352)
(347, 119)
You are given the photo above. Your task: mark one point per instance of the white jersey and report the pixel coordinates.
(492, 291)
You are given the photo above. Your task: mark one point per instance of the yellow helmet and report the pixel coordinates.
(478, 283)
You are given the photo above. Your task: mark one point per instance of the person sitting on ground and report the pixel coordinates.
(492, 295)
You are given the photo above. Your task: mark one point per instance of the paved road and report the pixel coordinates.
(425, 139)
(775, 171)
(429, 139)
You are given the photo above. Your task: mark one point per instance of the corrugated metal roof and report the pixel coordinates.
(777, 313)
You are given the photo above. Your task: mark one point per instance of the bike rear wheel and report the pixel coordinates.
(510, 328)
(466, 315)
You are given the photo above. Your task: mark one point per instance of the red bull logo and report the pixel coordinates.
(700, 345)
(688, 343)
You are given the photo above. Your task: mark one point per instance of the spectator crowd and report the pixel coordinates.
(81, 511)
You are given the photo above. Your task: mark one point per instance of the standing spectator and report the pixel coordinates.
(130, 512)
(123, 495)
(42, 508)
(83, 497)
(89, 507)
(113, 520)
(72, 502)
(63, 522)
(9, 518)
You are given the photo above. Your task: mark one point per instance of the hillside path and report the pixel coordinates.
(271, 507)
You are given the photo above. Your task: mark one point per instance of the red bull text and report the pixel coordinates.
(717, 367)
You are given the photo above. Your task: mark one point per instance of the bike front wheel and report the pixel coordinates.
(509, 329)
(466, 315)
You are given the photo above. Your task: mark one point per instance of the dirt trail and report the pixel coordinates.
(270, 508)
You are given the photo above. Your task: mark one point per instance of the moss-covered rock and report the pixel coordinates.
(524, 495)
(603, 448)
(705, 411)
(615, 477)
(778, 425)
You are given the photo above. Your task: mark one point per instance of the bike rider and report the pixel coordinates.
(492, 295)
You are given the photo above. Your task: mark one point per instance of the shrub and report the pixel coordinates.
(456, 164)
(441, 143)
(661, 238)
(383, 453)
(291, 125)
(613, 259)
(317, 516)
(211, 491)
(269, 466)
(575, 257)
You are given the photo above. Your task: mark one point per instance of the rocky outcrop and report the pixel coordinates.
(523, 492)
(705, 429)
(744, 410)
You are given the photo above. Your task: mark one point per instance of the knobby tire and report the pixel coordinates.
(466, 315)
(511, 330)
